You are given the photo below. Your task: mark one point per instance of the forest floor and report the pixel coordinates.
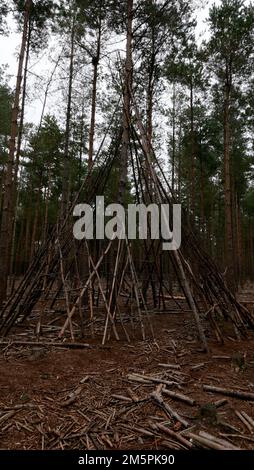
(93, 399)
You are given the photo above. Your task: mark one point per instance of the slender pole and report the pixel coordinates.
(6, 224)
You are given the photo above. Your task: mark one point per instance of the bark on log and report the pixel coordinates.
(204, 442)
(229, 393)
(45, 344)
(158, 398)
(173, 434)
(179, 396)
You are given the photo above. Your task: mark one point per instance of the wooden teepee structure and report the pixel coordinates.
(123, 284)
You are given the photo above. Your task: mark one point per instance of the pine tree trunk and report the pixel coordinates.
(22, 111)
(81, 146)
(202, 196)
(6, 223)
(149, 114)
(150, 103)
(251, 250)
(193, 157)
(96, 60)
(35, 225)
(126, 110)
(1, 189)
(239, 240)
(173, 139)
(149, 128)
(66, 163)
(179, 165)
(17, 160)
(20, 252)
(229, 255)
(26, 256)
(46, 204)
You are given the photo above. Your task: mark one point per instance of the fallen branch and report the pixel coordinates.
(240, 436)
(248, 418)
(244, 421)
(170, 366)
(121, 397)
(158, 398)
(134, 378)
(72, 397)
(133, 396)
(151, 379)
(169, 444)
(6, 416)
(229, 393)
(178, 396)
(173, 434)
(45, 344)
(204, 442)
(222, 442)
(221, 357)
(198, 366)
(221, 402)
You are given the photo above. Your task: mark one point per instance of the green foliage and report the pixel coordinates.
(6, 99)
(232, 37)
(231, 55)
(41, 17)
(161, 31)
(92, 12)
(186, 66)
(248, 202)
(3, 13)
(44, 155)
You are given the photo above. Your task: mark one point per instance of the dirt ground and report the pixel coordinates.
(56, 398)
